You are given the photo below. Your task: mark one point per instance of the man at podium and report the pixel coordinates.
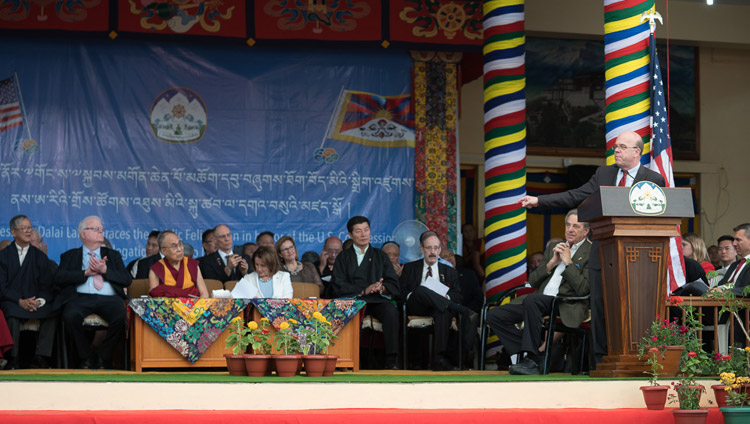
(626, 171)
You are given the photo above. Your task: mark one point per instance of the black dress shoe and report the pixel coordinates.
(12, 363)
(443, 364)
(526, 367)
(85, 364)
(99, 363)
(40, 362)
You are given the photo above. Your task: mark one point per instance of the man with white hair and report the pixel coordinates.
(93, 279)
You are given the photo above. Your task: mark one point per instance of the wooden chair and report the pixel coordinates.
(229, 285)
(305, 290)
(212, 285)
(138, 288)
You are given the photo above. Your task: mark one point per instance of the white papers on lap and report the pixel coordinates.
(244, 290)
(327, 278)
(433, 284)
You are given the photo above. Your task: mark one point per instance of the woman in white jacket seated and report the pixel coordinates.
(268, 280)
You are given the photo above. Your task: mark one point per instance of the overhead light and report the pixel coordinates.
(710, 2)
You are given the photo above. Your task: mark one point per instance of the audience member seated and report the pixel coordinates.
(738, 275)
(331, 249)
(38, 241)
(300, 272)
(534, 260)
(267, 281)
(175, 275)
(209, 243)
(249, 248)
(265, 239)
(727, 254)
(696, 282)
(393, 250)
(93, 279)
(418, 284)
(695, 248)
(311, 257)
(152, 249)
(224, 265)
(189, 250)
(27, 293)
(713, 255)
(563, 272)
(472, 295)
(366, 272)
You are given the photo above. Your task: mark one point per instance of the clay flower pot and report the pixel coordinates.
(690, 416)
(720, 394)
(287, 365)
(315, 365)
(257, 365)
(235, 364)
(655, 396)
(330, 365)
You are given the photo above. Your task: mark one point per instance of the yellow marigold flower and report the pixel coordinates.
(234, 321)
(727, 388)
(264, 319)
(252, 325)
(284, 325)
(292, 320)
(747, 349)
(317, 315)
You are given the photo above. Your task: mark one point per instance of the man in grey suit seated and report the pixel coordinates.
(564, 272)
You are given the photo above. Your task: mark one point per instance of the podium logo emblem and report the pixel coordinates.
(647, 198)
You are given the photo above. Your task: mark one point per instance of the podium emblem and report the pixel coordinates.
(647, 198)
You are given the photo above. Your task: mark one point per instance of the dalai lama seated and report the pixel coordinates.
(175, 275)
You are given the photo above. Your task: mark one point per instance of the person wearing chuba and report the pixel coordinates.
(26, 292)
(267, 281)
(299, 272)
(175, 275)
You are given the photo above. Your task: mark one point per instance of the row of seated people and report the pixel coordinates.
(92, 279)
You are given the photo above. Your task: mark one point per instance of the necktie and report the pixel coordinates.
(623, 179)
(429, 272)
(98, 280)
(737, 271)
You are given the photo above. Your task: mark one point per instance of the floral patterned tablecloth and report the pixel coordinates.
(338, 311)
(189, 325)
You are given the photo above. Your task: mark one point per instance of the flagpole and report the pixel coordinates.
(23, 107)
(333, 116)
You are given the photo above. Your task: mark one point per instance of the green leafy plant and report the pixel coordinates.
(654, 365)
(318, 334)
(237, 339)
(688, 390)
(258, 336)
(286, 340)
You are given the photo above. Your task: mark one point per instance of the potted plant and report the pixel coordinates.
(735, 363)
(317, 334)
(259, 362)
(689, 393)
(238, 342)
(736, 398)
(287, 363)
(669, 338)
(655, 395)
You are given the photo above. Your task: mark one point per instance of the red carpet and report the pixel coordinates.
(349, 416)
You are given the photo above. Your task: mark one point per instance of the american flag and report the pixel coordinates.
(661, 161)
(10, 108)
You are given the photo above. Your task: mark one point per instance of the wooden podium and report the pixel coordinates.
(634, 250)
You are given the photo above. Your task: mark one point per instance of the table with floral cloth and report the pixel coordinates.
(189, 325)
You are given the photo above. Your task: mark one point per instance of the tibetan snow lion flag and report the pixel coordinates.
(373, 120)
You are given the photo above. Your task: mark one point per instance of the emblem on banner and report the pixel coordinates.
(647, 198)
(25, 147)
(178, 115)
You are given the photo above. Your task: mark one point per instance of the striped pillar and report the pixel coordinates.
(504, 144)
(626, 62)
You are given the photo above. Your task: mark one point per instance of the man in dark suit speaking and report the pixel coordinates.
(626, 171)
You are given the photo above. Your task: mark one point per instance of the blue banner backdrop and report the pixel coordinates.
(167, 136)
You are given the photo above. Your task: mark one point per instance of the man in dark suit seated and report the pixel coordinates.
(625, 172)
(26, 292)
(366, 272)
(93, 279)
(563, 272)
(419, 280)
(224, 265)
(738, 274)
(138, 268)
